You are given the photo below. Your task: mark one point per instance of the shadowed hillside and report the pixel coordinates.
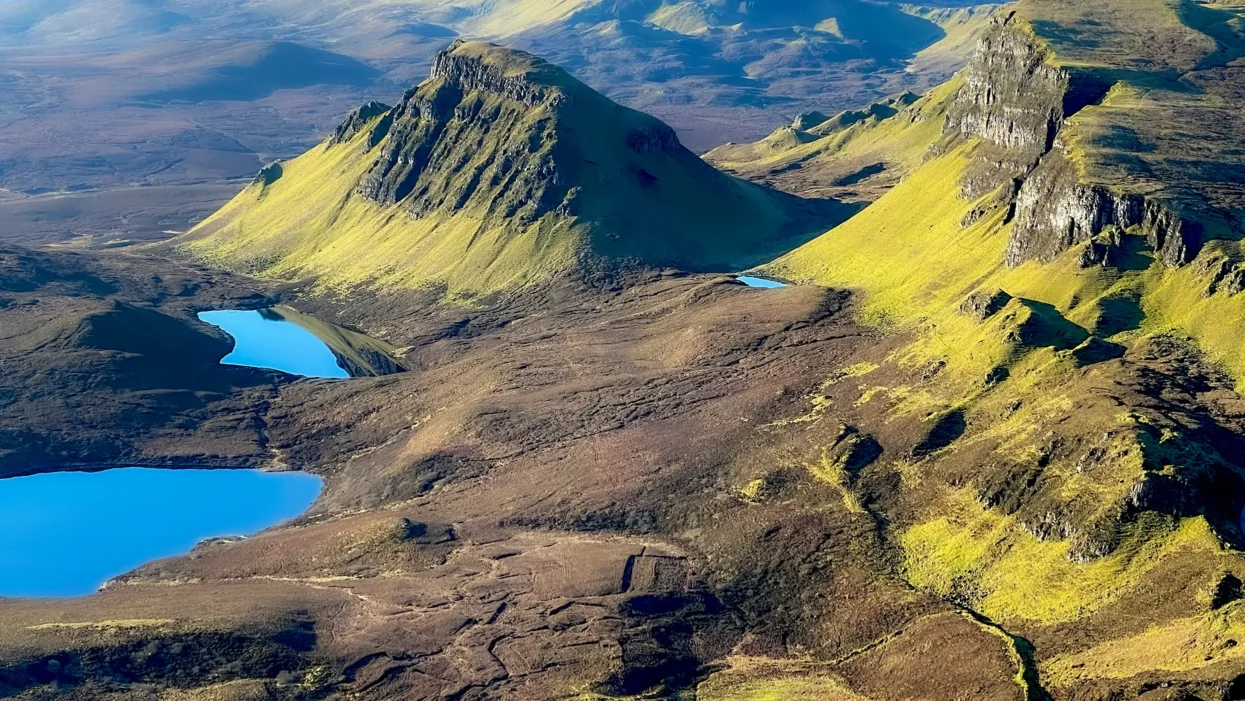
(990, 446)
(499, 170)
(188, 98)
(255, 71)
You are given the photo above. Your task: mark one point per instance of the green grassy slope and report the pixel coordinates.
(1037, 516)
(499, 171)
(856, 154)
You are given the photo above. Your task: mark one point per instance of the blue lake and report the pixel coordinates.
(264, 339)
(759, 282)
(66, 533)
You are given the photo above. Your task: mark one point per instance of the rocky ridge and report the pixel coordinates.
(1018, 102)
(469, 92)
(497, 171)
(359, 119)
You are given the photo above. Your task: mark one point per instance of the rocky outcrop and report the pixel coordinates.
(983, 304)
(269, 174)
(1055, 211)
(360, 118)
(1012, 99)
(469, 74)
(472, 119)
(1016, 102)
(500, 134)
(807, 120)
(441, 128)
(653, 138)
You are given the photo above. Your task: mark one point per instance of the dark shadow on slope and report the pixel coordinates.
(256, 72)
(861, 175)
(1025, 652)
(810, 218)
(1046, 326)
(1217, 24)
(946, 429)
(25, 270)
(1118, 314)
(187, 660)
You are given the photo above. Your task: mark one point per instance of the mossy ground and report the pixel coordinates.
(755, 679)
(1170, 646)
(310, 224)
(914, 256)
(978, 556)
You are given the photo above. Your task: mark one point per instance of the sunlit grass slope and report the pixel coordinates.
(749, 679)
(856, 153)
(914, 263)
(498, 172)
(311, 224)
(915, 256)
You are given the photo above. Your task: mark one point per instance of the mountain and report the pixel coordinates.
(990, 443)
(498, 171)
(250, 71)
(1061, 264)
(187, 98)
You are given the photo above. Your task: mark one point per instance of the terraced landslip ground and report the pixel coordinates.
(988, 448)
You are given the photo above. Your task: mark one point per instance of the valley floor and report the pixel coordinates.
(576, 492)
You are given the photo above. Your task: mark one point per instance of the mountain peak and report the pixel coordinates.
(480, 65)
(499, 170)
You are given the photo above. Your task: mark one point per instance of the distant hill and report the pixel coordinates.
(499, 170)
(252, 71)
(154, 75)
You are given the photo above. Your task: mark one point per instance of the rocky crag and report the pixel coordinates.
(992, 450)
(1017, 101)
(498, 171)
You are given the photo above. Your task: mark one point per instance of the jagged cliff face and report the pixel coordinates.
(513, 142)
(498, 171)
(1018, 102)
(1012, 99)
(363, 117)
(1055, 211)
(443, 128)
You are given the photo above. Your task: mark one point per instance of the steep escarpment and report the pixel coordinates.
(1063, 267)
(1013, 100)
(1027, 106)
(1055, 211)
(498, 171)
(373, 114)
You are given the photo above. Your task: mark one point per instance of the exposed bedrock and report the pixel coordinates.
(1011, 96)
(1017, 104)
(1013, 100)
(518, 115)
(359, 119)
(469, 74)
(1055, 211)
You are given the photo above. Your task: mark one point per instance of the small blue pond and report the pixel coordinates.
(270, 341)
(66, 533)
(760, 282)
